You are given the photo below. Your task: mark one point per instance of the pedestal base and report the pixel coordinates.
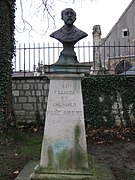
(100, 172)
(60, 175)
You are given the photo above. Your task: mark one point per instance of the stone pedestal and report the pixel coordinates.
(64, 151)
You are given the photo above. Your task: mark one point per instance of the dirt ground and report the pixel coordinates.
(115, 148)
(120, 157)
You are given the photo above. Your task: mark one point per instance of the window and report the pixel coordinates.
(122, 66)
(125, 32)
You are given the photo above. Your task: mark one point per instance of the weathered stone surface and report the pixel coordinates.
(62, 177)
(39, 106)
(28, 106)
(30, 81)
(18, 107)
(31, 99)
(20, 113)
(13, 86)
(26, 86)
(25, 96)
(40, 86)
(15, 100)
(64, 129)
(15, 93)
(19, 86)
(22, 92)
(22, 99)
(64, 143)
(38, 93)
(102, 170)
(27, 93)
(25, 173)
(33, 92)
(46, 86)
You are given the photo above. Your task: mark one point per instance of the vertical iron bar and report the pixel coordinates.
(129, 52)
(109, 57)
(19, 57)
(89, 51)
(15, 66)
(15, 63)
(24, 58)
(29, 57)
(58, 49)
(134, 53)
(44, 53)
(99, 55)
(104, 56)
(78, 47)
(84, 51)
(38, 55)
(48, 53)
(34, 57)
(94, 56)
(114, 55)
(119, 54)
(53, 53)
(124, 58)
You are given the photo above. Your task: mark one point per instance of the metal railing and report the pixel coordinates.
(115, 59)
(29, 56)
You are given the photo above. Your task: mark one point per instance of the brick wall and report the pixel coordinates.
(30, 98)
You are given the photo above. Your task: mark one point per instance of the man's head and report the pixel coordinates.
(68, 15)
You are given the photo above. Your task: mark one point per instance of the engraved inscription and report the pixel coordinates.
(65, 113)
(63, 101)
(65, 85)
(64, 104)
(60, 92)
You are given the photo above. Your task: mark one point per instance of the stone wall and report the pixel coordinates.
(30, 98)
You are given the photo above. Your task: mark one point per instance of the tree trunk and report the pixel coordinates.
(6, 53)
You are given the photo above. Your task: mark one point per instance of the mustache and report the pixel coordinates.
(69, 18)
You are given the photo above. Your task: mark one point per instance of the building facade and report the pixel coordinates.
(117, 52)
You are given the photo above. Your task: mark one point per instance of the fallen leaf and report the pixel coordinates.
(35, 129)
(101, 142)
(16, 172)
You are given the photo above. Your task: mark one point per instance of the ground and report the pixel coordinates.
(115, 147)
(119, 156)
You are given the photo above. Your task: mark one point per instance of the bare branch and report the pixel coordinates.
(42, 6)
(24, 21)
(47, 8)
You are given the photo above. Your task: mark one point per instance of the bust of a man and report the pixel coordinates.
(68, 35)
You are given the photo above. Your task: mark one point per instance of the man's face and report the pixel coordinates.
(69, 16)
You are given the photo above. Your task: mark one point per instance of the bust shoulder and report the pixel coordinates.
(65, 34)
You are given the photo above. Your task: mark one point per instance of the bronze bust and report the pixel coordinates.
(68, 35)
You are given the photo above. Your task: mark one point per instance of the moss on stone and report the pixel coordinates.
(50, 156)
(80, 157)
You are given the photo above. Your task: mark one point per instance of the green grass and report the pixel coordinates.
(16, 149)
(32, 147)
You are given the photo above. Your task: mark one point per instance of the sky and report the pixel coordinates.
(89, 13)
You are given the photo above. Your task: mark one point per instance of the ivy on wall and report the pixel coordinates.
(7, 48)
(103, 96)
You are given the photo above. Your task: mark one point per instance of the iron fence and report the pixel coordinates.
(112, 59)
